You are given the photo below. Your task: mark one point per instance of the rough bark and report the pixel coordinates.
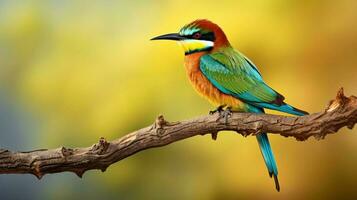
(339, 113)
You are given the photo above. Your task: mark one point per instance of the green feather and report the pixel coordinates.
(232, 73)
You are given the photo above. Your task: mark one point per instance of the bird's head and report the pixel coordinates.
(198, 36)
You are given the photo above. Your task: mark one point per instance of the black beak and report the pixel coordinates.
(170, 36)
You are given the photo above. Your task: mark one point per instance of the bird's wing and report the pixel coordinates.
(233, 74)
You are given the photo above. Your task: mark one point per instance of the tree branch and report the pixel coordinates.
(339, 113)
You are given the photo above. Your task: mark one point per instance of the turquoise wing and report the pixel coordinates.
(237, 76)
(232, 73)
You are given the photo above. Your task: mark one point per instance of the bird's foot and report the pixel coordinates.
(219, 109)
(225, 114)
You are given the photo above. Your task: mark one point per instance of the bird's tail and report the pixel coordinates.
(283, 108)
(267, 152)
(268, 156)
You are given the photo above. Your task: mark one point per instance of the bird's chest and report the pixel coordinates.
(203, 86)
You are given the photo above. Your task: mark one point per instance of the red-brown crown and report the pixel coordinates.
(205, 25)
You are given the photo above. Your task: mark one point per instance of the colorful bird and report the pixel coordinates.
(228, 79)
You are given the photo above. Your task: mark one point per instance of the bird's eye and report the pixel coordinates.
(196, 35)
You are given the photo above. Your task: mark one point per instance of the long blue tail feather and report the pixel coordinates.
(263, 140)
(267, 152)
(283, 108)
(268, 156)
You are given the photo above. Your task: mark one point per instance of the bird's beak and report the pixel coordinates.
(170, 36)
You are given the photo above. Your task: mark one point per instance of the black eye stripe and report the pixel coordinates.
(206, 36)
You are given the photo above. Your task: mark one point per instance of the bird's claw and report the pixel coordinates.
(225, 114)
(219, 109)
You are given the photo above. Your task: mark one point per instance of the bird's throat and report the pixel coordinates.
(194, 46)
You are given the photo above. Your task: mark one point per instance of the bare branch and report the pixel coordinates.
(339, 113)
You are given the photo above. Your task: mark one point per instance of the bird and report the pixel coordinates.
(228, 79)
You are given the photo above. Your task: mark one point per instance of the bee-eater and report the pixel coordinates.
(228, 79)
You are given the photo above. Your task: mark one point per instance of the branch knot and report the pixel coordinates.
(159, 124)
(66, 151)
(101, 147)
(339, 101)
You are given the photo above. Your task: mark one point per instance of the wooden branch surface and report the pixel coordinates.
(339, 113)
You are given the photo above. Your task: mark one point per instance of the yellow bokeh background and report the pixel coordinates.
(74, 71)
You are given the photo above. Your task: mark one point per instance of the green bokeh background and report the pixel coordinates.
(73, 71)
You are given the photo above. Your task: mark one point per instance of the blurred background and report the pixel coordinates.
(73, 71)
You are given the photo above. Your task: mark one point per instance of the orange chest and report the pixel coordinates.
(204, 87)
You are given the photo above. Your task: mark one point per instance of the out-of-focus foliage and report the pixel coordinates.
(73, 71)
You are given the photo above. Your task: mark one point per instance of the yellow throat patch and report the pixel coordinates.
(191, 45)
